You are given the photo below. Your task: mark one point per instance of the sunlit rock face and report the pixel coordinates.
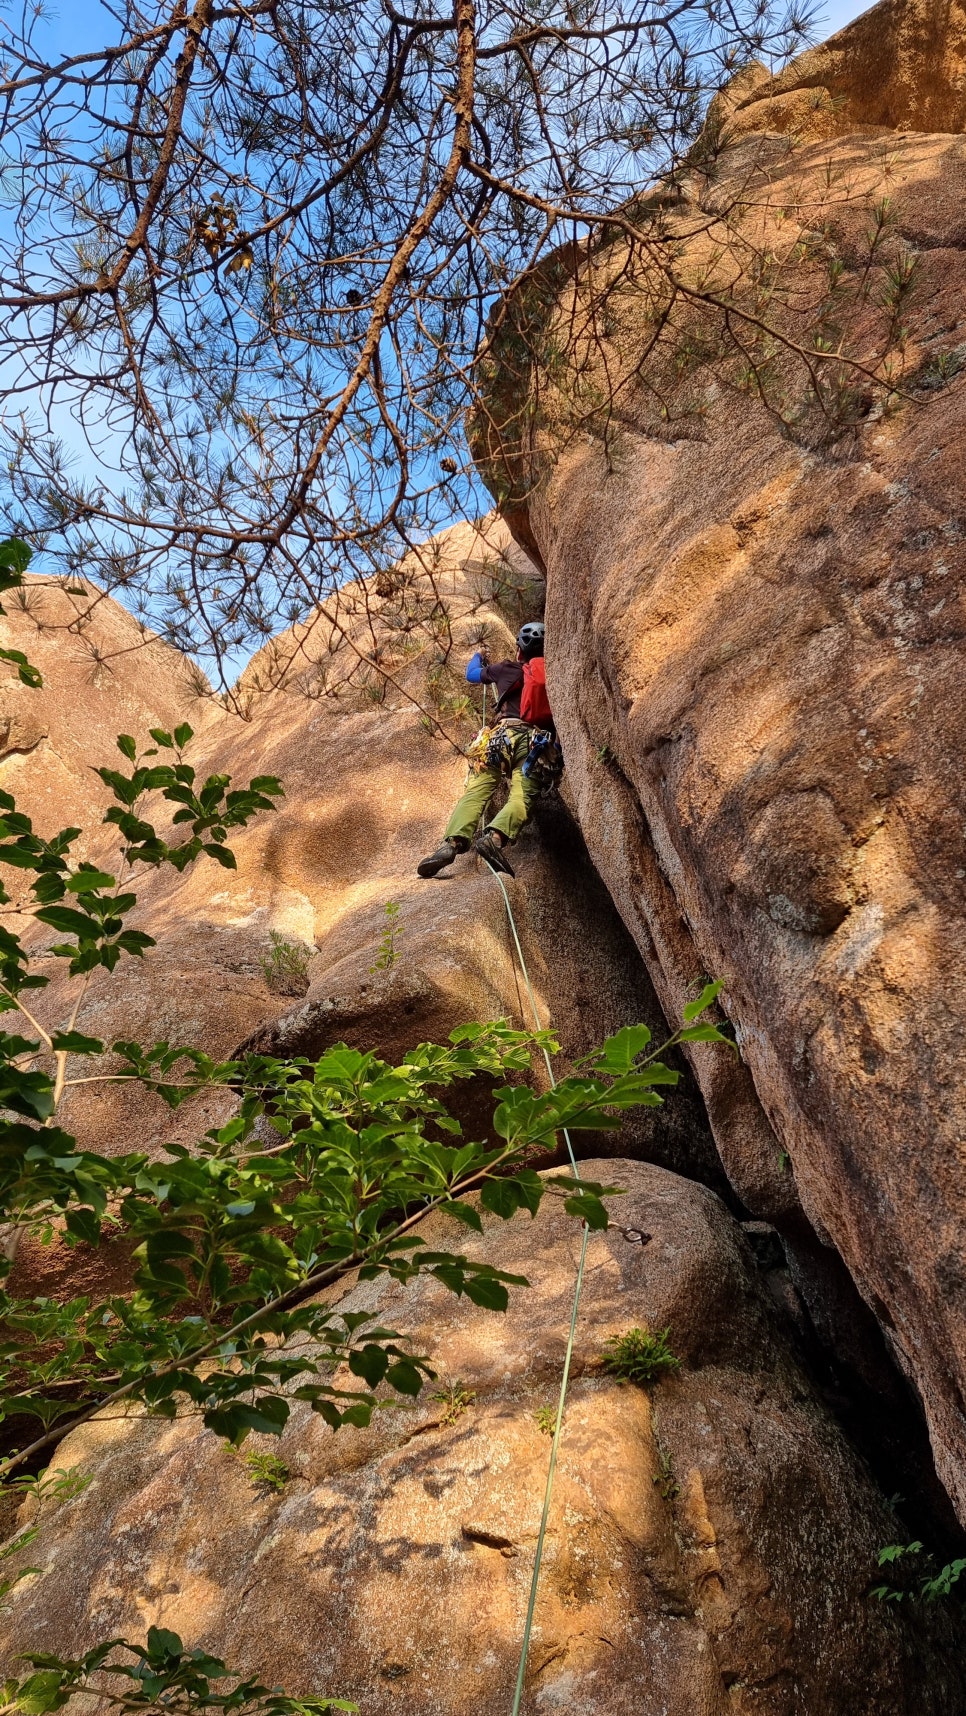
(711, 1540)
(755, 608)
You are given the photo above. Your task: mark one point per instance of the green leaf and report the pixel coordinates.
(182, 734)
(268, 1416)
(163, 1643)
(42, 1692)
(619, 1052)
(404, 1377)
(223, 855)
(89, 881)
(26, 672)
(48, 888)
(483, 1290)
(83, 1224)
(946, 1578)
(160, 737)
(126, 790)
(28, 1093)
(502, 1198)
(15, 556)
(127, 746)
(76, 1043)
(21, 857)
(135, 941)
(895, 1551)
(589, 1209)
(464, 1213)
(704, 1034)
(370, 1362)
(708, 994)
(69, 922)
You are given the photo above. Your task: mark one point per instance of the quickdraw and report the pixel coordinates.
(544, 760)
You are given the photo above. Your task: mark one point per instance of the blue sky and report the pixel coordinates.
(72, 24)
(839, 13)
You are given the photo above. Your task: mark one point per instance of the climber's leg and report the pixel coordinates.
(477, 792)
(515, 812)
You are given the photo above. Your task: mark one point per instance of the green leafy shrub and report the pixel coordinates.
(927, 1583)
(640, 1356)
(267, 1469)
(664, 1480)
(163, 1675)
(60, 1485)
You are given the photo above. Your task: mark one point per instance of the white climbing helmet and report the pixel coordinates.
(533, 632)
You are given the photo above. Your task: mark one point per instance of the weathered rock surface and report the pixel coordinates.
(711, 1540)
(756, 654)
(899, 67)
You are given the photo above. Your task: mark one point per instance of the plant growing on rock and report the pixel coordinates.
(286, 968)
(639, 1355)
(267, 1469)
(388, 946)
(454, 1401)
(664, 1480)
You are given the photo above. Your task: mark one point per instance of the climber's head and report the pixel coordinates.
(530, 639)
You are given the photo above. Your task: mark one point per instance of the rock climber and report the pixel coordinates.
(519, 745)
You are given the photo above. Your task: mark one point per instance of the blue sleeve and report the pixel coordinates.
(474, 670)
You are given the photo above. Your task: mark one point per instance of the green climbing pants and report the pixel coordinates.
(479, 789)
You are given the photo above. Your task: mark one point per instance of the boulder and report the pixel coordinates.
(712, 1537)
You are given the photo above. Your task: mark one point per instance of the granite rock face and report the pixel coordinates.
(757, 626)
(711, 1541)
(901, 66)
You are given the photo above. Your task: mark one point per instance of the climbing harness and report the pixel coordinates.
(565, 1378)
(497, 748)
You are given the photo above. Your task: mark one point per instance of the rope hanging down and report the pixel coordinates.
(565, 1378)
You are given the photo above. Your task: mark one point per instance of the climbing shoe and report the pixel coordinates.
(487, 846)
(445, 852)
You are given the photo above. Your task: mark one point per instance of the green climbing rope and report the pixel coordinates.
(565, 1378)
